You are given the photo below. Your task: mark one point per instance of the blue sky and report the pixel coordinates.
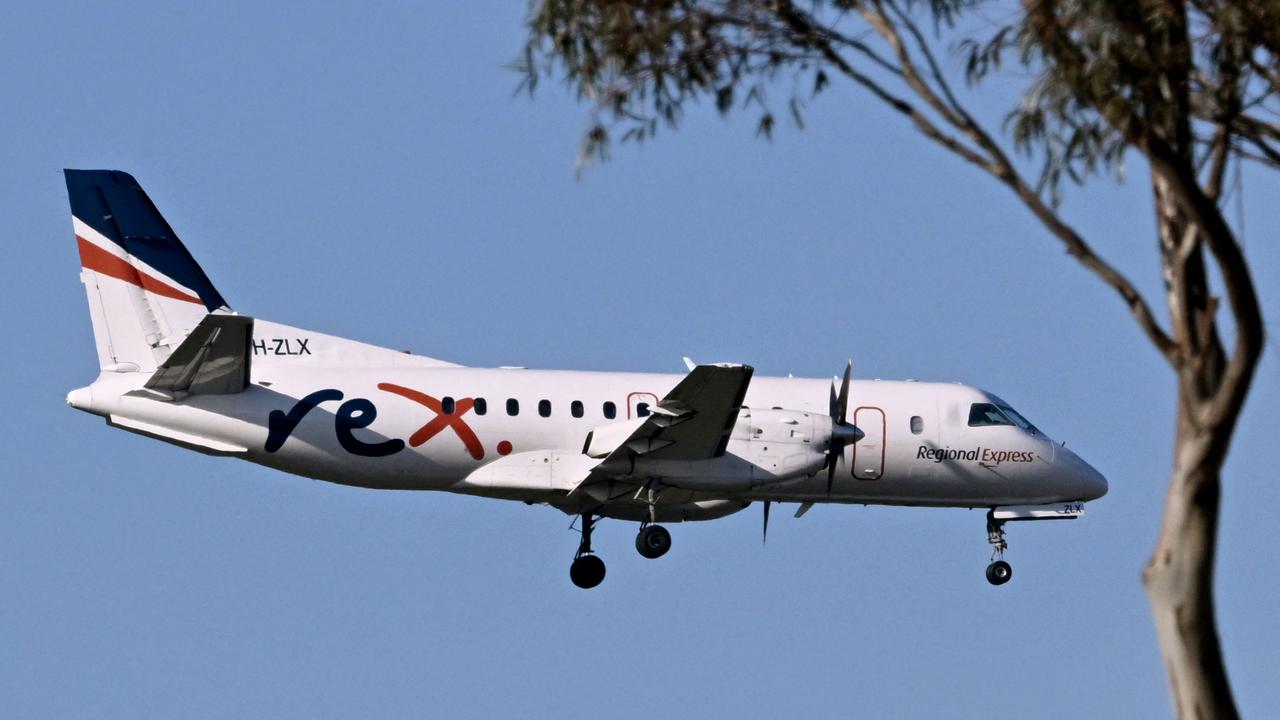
(368, 171)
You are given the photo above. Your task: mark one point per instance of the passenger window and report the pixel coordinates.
(544, 408)
(446, 405)
(642, 409)
(917, 424)
(610, 410)
(575, 408)
(481, 407)
(513, 407)
(986, 415)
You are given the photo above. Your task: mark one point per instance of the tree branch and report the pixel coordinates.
(1000, 166)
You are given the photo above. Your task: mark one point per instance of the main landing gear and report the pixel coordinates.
(587, 570)
(653, 541)
(999, 572)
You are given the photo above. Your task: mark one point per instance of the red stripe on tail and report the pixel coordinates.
(96, 259)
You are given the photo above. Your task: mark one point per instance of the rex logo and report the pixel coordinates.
(358, 413)
(442, 420)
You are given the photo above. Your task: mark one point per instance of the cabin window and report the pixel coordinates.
(986, 415)
(575, 408)
(917, 424)
(513, 407)
(642, 409)
(544, 408)
(447, 405)
(610, 410)
(481, 407)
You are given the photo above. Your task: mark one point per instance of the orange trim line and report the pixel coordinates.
(96, 259)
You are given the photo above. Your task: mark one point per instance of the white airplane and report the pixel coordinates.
(178, 365)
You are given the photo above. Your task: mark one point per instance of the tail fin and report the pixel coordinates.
(146, 292)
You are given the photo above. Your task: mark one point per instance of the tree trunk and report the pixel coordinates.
(1179, 578)
(1179, 575)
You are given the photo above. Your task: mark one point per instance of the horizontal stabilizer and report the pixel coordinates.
(213, 360)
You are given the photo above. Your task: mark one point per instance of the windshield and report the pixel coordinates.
(986, 415)
(1020, 421)
(989, 414)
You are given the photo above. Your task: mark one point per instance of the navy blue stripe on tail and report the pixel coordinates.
(114, 204)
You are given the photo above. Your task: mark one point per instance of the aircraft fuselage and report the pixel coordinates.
(431, 428)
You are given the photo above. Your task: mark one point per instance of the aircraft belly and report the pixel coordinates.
(923, 484)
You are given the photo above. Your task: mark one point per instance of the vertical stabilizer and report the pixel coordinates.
(146, 292)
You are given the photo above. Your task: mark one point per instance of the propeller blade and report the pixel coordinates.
(839, 405)
(764, 536)
(842, 401)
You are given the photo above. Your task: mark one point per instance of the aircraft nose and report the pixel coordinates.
(1090, 483)
(1095, 485)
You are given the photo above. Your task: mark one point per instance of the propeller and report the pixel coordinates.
(842, 433)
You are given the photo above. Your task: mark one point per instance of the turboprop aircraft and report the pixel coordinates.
(177, 364)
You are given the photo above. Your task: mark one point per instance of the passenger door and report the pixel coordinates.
(868, 453)
(640, 403)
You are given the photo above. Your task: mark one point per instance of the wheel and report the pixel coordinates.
(587, 571)
(653, 541)
(999, 572)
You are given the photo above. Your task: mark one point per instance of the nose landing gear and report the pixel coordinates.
(587, 570)
(999, 572)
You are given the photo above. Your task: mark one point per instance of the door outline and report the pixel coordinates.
(853, 466)
(635, 398)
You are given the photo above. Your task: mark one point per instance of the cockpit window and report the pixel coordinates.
(999, 413)
(986, 415)
(1018, 420)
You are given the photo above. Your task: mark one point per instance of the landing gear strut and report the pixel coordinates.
(587, 570)
(653, 541)
(999, 572)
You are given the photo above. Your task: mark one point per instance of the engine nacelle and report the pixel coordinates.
(766, 447)
(781, 444)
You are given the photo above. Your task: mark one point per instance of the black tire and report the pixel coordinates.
(653, 541)
(587, 571)
(999, 572)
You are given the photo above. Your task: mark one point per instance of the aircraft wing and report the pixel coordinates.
(212, 360)
(693, 422)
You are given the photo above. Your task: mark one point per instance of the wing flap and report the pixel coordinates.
(695, 419)
(693, 422)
